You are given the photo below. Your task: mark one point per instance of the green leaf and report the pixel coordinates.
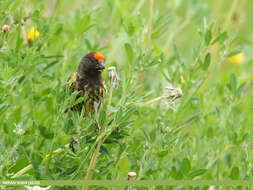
(129, 52)
(50, 104)
(233, 81)
(80, 99)
(102, 117)
(240, 89)
(35, 16)
(146, 133)
(51, 64)
(176, 174)
(162, 153)
(210, 132)
(129, 29)
(87, 43)
(232, 85)
(20, 163)
(235, 173)
(36, 161)
(234, 52)
(208, 37)
(153, 135)
(123, 167)
(14, 5)
(166, 76)
(112, 109)
(128, 114)
(3, 107)
(185, 165)
(46, 133)
(197, 172)
(177, 55)
(221, 38)
(217, 109)
(195, 115)
(84, 24)
(104, 150)
(125, 123)
(207, 61)
(227, 160)
(118, 115)
(16, 114)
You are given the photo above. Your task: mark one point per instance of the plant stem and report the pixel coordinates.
(28, 167)
(22, 171)
(53, 7)
(230, 14)
(215, 48)
(24, 34)
(59, 150)
(152, 101)
(141, 82)
(151, 3)
(93, 161)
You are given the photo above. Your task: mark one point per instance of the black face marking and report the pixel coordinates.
(90, 67)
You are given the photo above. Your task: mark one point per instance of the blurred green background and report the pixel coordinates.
(203, 47)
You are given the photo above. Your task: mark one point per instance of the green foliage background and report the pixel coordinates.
(207, 134)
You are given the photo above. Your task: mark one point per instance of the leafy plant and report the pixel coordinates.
(181, 110)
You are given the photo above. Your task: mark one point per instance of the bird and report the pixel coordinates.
(89, 82)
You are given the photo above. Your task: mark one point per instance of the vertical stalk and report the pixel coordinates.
(230, 14)
(151, 3)
(93, 161)
(141, 82)
(24, 34)
(131, 176)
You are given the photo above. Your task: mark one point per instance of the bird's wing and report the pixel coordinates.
(72, 80)
(73, 85)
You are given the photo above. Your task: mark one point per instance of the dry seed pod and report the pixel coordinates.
(5, 28)
(131, 176)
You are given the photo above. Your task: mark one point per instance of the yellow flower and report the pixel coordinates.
(33, 34)
(237, 59)
(181, 79)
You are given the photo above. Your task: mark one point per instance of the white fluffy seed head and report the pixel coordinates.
(113, 76)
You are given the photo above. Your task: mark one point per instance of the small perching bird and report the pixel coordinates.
(88, 80)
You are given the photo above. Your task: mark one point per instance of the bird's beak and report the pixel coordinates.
(101, 65)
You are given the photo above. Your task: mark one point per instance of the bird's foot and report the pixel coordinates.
(72, 143)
